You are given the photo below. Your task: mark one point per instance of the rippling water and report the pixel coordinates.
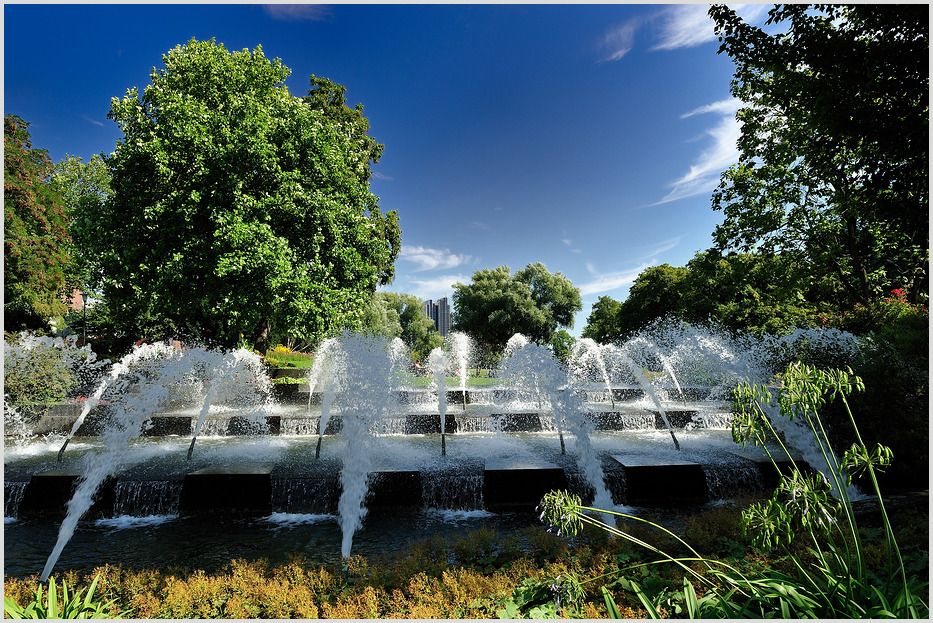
(162, 542)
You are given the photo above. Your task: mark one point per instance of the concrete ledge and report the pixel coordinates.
(770, 477)
(677, 418)
(519, 486)
(517, 422)
(394, 488)
(163, 425)
(429, 424)
(662, 482)
(47, 496)
(244, 489)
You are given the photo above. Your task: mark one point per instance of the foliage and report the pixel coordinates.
(39, 376)
(602, 323)
(742, 292)
(284, 357)
(562, 345)
(819, 511)
(235, 207)
(497, 305)
(48, 606)
(36, 257)
(392, 315)
(894, 362)
(83, 187)
(834, 136)
(829, 577)
(473, 574)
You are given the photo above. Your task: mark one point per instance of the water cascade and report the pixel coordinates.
(586, 350)
(380, 447)
(367, 384)
(460, 348)
(437, 364)
(636, 371)
(325, 356)
(149, 374)
(531, 361)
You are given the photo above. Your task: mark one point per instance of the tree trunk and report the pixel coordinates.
(858, 266)
(263, 330)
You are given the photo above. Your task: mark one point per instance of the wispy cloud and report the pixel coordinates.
(432, 259)
(607, 282)
(380, 176)
(90, 120)
(684, 26)
(661, 247)
(676, 26)
(479, 225)
(619, 41)
(297, 12)
(569, 243)
(437, 287)
(723, 107)
(704, 173)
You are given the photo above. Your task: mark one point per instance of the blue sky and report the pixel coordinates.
(586, 137)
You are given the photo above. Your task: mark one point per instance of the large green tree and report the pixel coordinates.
(36, 243)
(498, 304)
(833, 168)
(236, 207)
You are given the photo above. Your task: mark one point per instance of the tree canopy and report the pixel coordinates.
(497, 305)
(36, 243)
(83, 187)
(235, 208)
(392, 314)
(834, 136)
(742, 292)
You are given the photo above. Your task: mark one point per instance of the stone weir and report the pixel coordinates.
(251, 488)
(483, 410)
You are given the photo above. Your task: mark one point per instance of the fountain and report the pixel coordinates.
(368, 448)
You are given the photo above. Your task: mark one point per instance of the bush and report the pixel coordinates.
(894, 409)
(37, 376)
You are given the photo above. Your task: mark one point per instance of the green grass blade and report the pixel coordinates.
(52, 610)
(611, 606)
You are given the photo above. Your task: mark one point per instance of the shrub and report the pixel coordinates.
(37, 376)
(832, 579)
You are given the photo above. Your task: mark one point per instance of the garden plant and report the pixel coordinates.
(834, 579)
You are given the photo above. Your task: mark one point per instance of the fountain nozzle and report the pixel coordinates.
(62, 451)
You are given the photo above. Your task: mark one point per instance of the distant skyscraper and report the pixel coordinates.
(439, 312)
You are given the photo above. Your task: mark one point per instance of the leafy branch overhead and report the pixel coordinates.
(833, 168)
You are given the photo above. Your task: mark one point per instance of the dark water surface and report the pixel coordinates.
(207, 543)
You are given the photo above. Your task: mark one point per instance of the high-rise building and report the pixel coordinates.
(439, 312)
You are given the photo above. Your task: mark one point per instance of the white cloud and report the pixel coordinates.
(432, 259)
(677, 26)
(380, 176)
(618, 41)
(725, 107)
(439, 287)
(296, 12)
(664, 245)
(684, 26)
(704, 173)
(607, 282)
(480, 224)
(94, 121)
